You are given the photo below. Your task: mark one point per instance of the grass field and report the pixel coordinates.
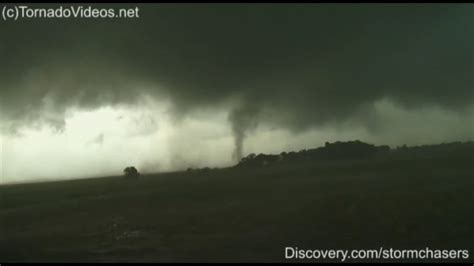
(242, 214)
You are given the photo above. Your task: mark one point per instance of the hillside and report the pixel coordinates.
(243, 213)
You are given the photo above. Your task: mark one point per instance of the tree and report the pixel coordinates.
(131, 171)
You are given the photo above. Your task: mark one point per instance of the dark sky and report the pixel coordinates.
(288, 66)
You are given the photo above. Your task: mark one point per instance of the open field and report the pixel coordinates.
(242, 214)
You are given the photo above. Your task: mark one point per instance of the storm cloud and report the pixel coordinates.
(289, 66)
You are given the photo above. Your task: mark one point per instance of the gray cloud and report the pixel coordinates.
(293, 66)
(98, 140)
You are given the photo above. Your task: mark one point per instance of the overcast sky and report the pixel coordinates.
(200, 85)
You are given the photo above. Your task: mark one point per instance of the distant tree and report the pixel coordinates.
(131, 171)
(247, 159)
